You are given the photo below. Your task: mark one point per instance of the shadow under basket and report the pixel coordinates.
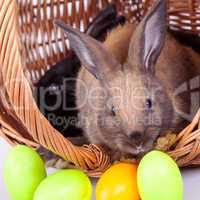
(30, 44)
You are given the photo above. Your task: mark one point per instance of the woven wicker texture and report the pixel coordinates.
(29, 44)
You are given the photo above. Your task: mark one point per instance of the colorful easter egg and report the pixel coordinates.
(65, 185)
(159, 178)
(23, 172)
(118, 182)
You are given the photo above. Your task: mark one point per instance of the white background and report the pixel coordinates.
(191, 178)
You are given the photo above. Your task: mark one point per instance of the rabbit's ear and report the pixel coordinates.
(148, 39)
(92, 54)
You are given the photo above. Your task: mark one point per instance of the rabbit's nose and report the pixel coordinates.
(137, 136)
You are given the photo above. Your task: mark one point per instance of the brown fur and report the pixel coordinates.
(175, 65)
(119, 49)
(127, 88)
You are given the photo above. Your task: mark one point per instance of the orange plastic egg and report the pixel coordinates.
(118, 183)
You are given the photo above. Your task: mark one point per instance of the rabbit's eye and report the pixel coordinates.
(149, 103)
(113, 111)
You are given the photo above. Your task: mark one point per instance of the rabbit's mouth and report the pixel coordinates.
(138, 149)
(135, 151)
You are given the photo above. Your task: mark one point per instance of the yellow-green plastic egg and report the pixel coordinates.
(159, 178)
(65, 185)
(23, 172)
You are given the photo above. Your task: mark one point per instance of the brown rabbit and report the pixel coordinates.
(126, 87)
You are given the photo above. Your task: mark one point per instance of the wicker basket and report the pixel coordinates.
(24, 57)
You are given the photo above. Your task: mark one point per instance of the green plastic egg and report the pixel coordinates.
(65, 185)
(23, 172)
(159, 178)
